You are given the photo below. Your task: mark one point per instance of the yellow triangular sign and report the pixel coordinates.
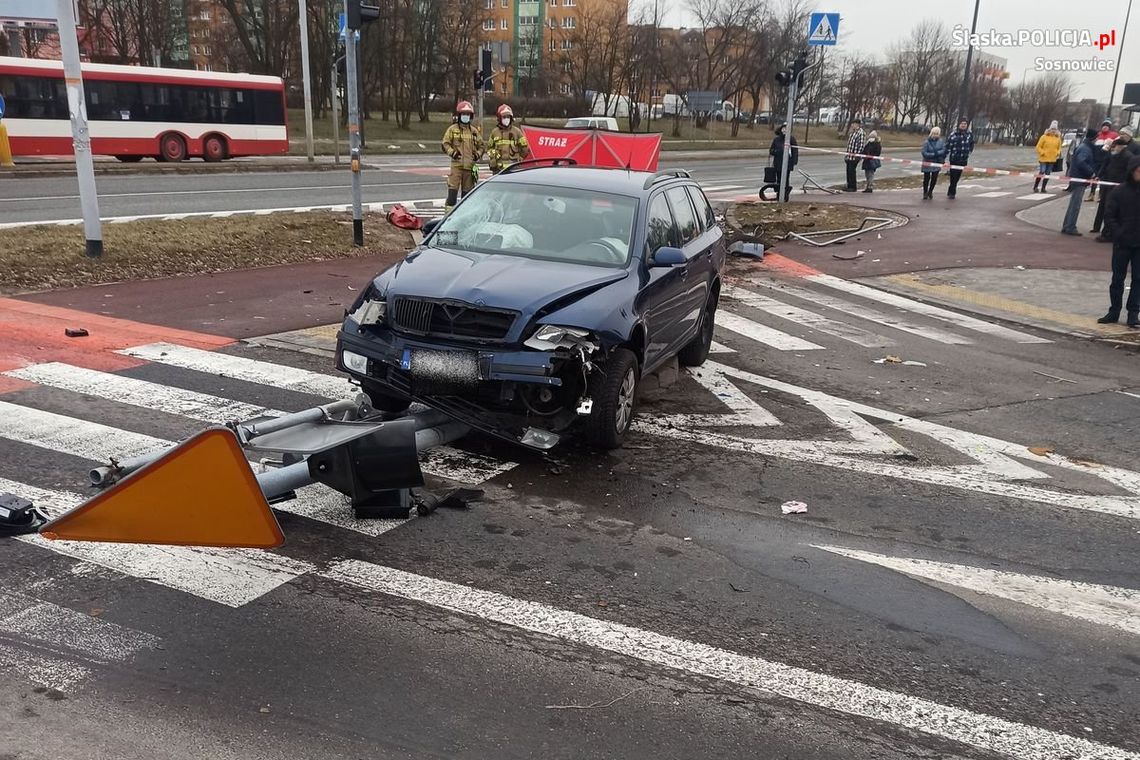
(201, 493)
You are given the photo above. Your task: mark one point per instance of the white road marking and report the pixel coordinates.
(891, 299)
(996, 472)
(993, 195)
(241, 368)
(232, 577)
(70, 435)
(63, 628)
(1104, 605)
(285, 189)
(1033, 197)
(770, 336)
(50, 672)
(462, 466)
(720, 348)
(818, 689)
(810, 319)
(141, 393)
(871, 315)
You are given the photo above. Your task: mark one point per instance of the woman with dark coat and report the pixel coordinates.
(933, 156)
(871, 165)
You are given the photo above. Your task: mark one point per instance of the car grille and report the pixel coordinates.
(450, 319)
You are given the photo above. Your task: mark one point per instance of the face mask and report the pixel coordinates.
(464, 119)
(506, 121)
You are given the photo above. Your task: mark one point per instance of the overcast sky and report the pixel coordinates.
(869, 26)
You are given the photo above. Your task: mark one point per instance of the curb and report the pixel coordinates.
(33, 171)
(995, 314)
(424, 208)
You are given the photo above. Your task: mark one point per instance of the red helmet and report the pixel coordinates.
(465, 107)
(504, 110)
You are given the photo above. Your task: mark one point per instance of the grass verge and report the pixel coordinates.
(50, 257)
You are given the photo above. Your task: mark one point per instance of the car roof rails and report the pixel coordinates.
(534, 163)
(666, 174)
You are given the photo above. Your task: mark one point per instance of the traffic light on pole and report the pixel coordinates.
(478, 79)
(360, 14)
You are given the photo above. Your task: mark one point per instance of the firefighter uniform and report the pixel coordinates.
(507, 145)
(464, 144)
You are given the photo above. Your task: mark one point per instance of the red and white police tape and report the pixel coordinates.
(966, 168)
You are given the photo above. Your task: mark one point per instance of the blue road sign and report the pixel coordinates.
(343, 25)
(823, 29)
(1, 105)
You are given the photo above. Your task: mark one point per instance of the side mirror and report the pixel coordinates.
(429, 226)
(667, 256)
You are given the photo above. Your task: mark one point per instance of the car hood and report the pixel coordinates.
(494, 280)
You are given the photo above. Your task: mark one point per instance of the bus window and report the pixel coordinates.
(267, 107)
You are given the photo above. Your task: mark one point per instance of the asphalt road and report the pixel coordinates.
(948, 593)
(26, 199)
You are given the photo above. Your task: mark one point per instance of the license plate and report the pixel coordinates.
(442, 369)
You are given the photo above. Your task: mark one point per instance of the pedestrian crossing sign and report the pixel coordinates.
(823, 29)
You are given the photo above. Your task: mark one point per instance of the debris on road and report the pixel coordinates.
(1041, 451)
(76, 332)
(888, 360)
(1054, 377)
(912, 363)
(848, 256)
(459, 498)
(750, 250)
(793, 508)
(738, 589)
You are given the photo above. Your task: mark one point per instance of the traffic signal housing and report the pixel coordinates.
(360, 14)
(795, 72)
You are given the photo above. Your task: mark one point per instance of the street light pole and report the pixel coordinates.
(965, 91)
(304, 14)
(1119, 55)
(80, 135)
(350, 55)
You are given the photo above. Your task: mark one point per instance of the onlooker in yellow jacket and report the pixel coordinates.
(1048, 151)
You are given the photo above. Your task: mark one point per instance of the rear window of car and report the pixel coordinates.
(687, 223)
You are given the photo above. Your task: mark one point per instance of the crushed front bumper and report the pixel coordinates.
(483, 373)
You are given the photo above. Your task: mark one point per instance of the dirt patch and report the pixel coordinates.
(770, 223)
(49, 257)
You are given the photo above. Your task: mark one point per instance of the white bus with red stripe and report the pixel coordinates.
(136, 111)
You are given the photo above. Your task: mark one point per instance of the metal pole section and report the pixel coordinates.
(353, 130)
(479, 92)
(304, 22)
(81, 137)
(788, 130)
(335, 116)
(280, 481)
(965, 91)
(1119, 55)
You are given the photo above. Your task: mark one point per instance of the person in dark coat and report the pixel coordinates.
(873, 149)
(933, 156)
(1115, 169)
(776, 151)
(1084, 167)
(959, 146)
(1122, 227)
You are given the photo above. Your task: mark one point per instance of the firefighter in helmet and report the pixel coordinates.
(508, 143)
(464, 143)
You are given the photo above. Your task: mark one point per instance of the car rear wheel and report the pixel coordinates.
(614, 392)
(383, 401)
(695, 353)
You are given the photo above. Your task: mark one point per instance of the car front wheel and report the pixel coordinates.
(614, 392)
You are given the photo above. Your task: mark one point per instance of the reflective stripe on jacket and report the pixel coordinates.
(507, 146)
(464, 144)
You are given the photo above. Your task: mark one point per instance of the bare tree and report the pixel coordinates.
(914, 65)
(261, 34)
(594, 53)
(459, 36)
(132, 31)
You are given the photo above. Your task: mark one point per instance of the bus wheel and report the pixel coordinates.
(172, 148)
(214, 148)
(129, 159)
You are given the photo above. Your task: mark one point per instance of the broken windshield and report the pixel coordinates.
(538, 221)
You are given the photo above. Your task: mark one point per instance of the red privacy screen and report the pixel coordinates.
(592, 147)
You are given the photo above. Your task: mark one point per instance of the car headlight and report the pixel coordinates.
(373, 310)
(354, 362)
(550, 337)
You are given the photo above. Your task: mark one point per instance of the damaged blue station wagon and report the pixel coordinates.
(538, 305)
